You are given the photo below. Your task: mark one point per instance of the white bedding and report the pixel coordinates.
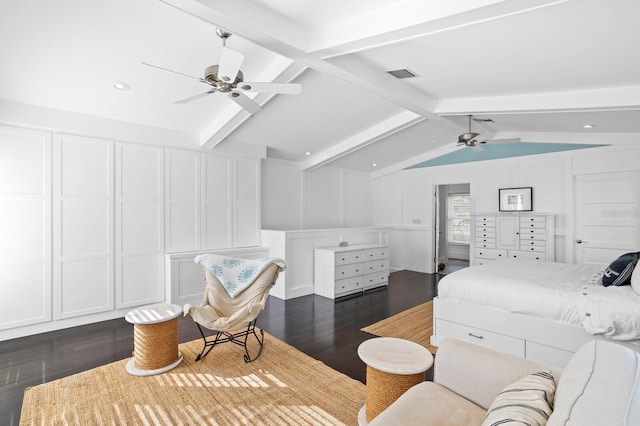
(569, 293)
(610, 311)
(544, 289)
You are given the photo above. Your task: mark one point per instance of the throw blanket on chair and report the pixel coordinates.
(235, 274)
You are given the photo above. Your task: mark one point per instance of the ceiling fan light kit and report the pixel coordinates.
(226, 77)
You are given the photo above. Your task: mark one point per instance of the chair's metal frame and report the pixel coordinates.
(239, 338)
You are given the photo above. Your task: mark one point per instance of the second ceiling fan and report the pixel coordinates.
(475, 140)
(226, 77)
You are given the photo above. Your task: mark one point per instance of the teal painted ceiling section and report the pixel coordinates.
(495, 151)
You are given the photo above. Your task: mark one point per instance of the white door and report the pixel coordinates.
(607, 213)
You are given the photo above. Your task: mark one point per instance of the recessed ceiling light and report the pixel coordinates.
(588, 126)
(121, 85)
(374, 165)
(307, 153)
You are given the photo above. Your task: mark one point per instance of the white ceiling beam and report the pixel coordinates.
(615, 98)
(239, 17)
(366, 137)
(416, 18)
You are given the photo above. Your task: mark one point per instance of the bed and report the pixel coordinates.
(543, 311)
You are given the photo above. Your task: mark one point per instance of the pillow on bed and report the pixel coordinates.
(527, 401)
(635, 280)
(620, 270)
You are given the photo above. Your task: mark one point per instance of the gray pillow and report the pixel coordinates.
(620, 270)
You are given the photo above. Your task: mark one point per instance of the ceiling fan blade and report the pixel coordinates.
(176, 72)
(249, 105)
(230, 62)
(193, 97)
(281, 88)
(512, 140)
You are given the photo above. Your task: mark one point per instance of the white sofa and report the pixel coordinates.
(599, 386)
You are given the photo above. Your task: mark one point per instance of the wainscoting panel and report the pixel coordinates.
(83, 226)
(139, 225)
(25, 227)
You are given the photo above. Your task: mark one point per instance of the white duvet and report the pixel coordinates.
(558, 291)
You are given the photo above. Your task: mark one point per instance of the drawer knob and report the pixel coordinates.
(475, 336)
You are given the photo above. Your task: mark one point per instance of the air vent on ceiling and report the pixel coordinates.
(403, 73)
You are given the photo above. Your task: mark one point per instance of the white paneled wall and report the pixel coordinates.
(85, 223)
(216, 201)
(281, 198)
(182, 200)
(83, 258)
(246, 202)
(327, 197)
(139, 223)
(25, 227)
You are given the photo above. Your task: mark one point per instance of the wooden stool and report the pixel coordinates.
(155, 338)
(393, 366)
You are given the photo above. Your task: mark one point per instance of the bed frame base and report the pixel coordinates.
(541, 340)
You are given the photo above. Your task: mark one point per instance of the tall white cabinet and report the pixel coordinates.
(25, 227)
(139, 225)
(514, 236)
(83, 257)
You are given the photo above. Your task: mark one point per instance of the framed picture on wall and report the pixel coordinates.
(515, 199)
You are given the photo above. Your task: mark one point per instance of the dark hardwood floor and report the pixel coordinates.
(326, 330)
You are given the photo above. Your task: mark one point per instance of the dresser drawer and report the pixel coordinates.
(491, 254)
(346, 271)
(345, 257)
(540, 221)
(349, 285)
(537, 245)
(485, 221)
(375, 266)
(533, 233)
(488, 339)
(528, 255)
(376, 253)
(376, 279)
(484, 230)
(480, 244)
(485, 242)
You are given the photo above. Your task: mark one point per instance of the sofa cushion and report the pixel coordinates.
(430, 404)
(527, 401)
(599, 386)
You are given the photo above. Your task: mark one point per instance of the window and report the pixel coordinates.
(459, 218)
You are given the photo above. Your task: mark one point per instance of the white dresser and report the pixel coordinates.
(517, 236)
(340, 271)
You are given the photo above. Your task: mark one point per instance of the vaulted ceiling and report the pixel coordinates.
(540, 69)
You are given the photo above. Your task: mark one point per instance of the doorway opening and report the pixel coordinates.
(452, 227)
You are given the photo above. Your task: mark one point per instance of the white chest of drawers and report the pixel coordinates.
(340, 271)
(525, 236)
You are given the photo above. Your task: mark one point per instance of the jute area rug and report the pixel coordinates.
(282, 387)
(415, 324)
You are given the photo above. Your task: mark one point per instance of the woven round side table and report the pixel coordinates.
(155, 339)
(393, 366)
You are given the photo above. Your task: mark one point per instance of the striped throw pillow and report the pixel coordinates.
(529, 401)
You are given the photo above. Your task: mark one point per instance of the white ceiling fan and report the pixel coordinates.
(473, 141)
(226, 77)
